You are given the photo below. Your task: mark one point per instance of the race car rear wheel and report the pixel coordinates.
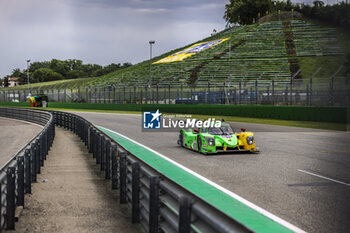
(181, 138)
(199, 144)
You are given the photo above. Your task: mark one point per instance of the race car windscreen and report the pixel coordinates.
(223, 130)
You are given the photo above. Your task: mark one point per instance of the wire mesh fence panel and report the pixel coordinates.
(323, 91)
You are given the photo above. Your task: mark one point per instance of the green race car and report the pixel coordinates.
(217, 139)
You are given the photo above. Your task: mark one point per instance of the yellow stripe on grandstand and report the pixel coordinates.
(194, 49)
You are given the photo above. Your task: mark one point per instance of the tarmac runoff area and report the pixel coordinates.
(301, 175)
(14, 134)
(71, 194)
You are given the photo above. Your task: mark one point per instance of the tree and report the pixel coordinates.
(46, 74)
(245, 11)
(6, 81)
(75, 64)
(112, 67)
(58, 66)
(318, 3)
(16, 72)
(37, 65)
(126, 64)
(19, 74)
(67, 69)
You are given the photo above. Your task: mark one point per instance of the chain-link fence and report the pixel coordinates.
(333, 91)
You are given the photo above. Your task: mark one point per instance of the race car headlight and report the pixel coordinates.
(250, 140)
(210, 141)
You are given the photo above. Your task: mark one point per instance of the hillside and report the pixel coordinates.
(265, 51)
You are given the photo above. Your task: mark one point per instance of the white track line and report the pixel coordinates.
(323, 177)
(235, 196)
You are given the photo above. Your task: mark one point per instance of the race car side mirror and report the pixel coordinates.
(243, 129)
(196, 131)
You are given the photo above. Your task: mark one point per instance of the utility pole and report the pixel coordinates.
(151, 42)
(28, 75)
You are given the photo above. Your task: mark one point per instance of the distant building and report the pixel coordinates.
(13, 81)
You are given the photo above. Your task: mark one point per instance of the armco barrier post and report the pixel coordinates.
(20, 181)
(135, 192)
(64, 121)
(47, 141)
(103, 153)
(53, 133)
(153, 204)
(95, 150)
(27, 172)
(86, 134)
(37, 156)
(108, 159)
(41, 150)
(10, 197)
(92, 142)
(33, 161)
(185, 215)
(122, 175)
(99, 149)
(77, 126)
(91, 139)
(71, 122)
(68, 121)
(58, 117)
(82, 130)
(45, 144)
(114, 167)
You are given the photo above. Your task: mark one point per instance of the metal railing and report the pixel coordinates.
(315, 90)
(18, 173)
(157, 203)
(265, 92)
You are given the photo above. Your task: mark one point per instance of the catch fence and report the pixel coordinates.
(332, 91)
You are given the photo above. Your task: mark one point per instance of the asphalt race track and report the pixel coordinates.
(301, 175)
(14, 135)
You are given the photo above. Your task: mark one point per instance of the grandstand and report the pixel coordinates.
(252, 52)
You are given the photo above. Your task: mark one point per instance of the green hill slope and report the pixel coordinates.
(270, 50)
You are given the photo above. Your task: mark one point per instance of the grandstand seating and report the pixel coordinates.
(313, 40)
(252, 52)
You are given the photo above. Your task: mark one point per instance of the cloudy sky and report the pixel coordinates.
(101, 31)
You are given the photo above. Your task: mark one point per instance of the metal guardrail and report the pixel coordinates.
(156, 202)
(18, 173)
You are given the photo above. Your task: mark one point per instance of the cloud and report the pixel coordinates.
(101, 31)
